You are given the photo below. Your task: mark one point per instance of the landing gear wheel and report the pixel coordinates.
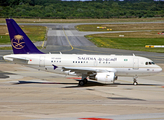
(135, 83)
(81, 83)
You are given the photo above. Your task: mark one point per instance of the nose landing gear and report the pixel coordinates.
(135, 80)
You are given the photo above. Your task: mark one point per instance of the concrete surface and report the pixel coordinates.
(52, 96)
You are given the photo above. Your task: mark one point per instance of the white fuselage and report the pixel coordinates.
(120, 65)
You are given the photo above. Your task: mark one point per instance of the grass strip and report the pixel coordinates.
(137, 44)
(121, 27)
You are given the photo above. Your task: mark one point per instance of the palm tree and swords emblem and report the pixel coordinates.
(17, 42)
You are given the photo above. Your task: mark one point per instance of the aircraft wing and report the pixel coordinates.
(85, 69)
(88, 70)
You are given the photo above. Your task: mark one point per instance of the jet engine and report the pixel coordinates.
(104, 77)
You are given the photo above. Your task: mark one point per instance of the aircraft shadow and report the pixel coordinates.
(138, 84)
(125, 98)
(92, 83)
(4, 75)
(89, 84)
(34, 82)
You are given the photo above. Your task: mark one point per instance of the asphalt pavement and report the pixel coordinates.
(27, 93)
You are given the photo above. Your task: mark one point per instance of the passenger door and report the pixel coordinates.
(135, 63)
(42, 61)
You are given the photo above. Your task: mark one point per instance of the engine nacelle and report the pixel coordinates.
(104, 77)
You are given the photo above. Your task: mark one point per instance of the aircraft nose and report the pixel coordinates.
(159, 69)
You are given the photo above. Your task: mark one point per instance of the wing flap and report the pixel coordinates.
(74, 69)
(88, 70)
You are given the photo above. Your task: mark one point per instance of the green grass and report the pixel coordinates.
(91, 27)
(143, 34)
(121, 27)
(137, 44)
(4, 39)
(5, 48)
(35, 33)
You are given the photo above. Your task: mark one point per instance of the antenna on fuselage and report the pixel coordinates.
(133, 54)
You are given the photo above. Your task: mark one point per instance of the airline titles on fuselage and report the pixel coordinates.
(92, 58)
(99, 59)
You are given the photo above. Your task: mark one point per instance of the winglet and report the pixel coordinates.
(21, 44)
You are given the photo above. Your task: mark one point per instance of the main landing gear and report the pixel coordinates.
(83, 82)
(135, 81)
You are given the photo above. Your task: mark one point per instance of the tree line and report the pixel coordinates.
(79, 9)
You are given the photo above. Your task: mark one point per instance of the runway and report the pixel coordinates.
(47, 96)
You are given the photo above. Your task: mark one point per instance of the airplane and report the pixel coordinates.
(102, 68)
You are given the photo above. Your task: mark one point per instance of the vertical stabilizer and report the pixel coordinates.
(21, 44)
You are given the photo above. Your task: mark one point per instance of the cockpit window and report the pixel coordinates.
(149, 63)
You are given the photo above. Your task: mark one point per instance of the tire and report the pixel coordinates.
(81, 83)
(135, 83)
